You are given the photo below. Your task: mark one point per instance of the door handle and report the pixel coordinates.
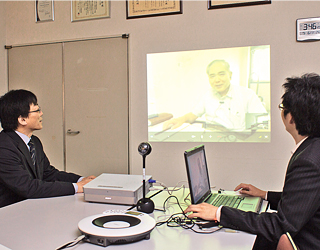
(70, 132)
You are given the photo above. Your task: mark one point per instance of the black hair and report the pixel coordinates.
(14, 104)
(302, 100)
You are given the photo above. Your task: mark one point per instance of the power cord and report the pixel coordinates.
(71, 243)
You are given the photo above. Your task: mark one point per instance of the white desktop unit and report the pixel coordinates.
(116, 189)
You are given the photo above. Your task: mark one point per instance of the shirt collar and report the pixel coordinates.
(24, 137)
(298, 145)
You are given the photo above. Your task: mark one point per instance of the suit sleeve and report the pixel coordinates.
(51, 174)
(299, 202)
(48, 172)
(15, 177)
(16, 180)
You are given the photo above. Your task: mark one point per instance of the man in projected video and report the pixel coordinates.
(225, 106)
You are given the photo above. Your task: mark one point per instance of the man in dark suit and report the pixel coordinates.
(298, 205)
(25, 171)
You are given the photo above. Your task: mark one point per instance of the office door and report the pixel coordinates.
(96, 106)
(82, 88)
(38, 69)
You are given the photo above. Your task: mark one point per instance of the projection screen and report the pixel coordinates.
(212, 95)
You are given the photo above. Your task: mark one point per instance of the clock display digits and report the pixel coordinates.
(309, 26)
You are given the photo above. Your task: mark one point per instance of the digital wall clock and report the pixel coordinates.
(308, 29)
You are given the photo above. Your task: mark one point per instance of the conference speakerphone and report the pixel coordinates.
(116, 189)
(116, 227)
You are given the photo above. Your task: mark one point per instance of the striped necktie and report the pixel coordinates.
(32, 152)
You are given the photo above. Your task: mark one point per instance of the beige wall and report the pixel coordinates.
(197, 28)
(3, 71)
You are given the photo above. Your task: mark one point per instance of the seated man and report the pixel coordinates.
(298, 205)
(25, 171)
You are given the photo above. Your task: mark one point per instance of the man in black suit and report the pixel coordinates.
(298, 205)
(23, 173)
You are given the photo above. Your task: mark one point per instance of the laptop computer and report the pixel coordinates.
(199, 185)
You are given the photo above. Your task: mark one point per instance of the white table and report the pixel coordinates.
(45, 224)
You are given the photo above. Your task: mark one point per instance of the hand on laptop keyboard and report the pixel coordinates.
(204, 210)
(251, 190)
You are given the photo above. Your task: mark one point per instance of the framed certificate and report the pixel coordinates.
(86, 9)
(148, 8)
(44, 10)
(227, 4)
(308, 29)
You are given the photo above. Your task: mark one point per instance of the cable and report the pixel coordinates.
(176, 220)
(181, 220)
(175, 188)
(171, 196)
(71, 243)
(147, 197)
(156, 193)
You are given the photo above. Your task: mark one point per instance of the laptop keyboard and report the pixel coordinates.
(227, 200)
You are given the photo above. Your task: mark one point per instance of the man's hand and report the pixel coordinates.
(204, 211)
(177, 122)
(250, 190)
(83, 182)
(173, 123)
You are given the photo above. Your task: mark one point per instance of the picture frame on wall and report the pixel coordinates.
(149, 8)
(88, 9)
(228, 4)
(44, 10)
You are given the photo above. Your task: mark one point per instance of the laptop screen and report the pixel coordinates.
(197, 171)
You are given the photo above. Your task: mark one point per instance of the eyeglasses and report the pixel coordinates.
(38, 110)
(281, 107)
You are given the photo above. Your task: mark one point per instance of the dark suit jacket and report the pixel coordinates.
(298, 205)
(19, 180)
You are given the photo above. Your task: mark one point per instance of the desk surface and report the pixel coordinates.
(51, 222)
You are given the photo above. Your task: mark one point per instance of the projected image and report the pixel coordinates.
(216, 95)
